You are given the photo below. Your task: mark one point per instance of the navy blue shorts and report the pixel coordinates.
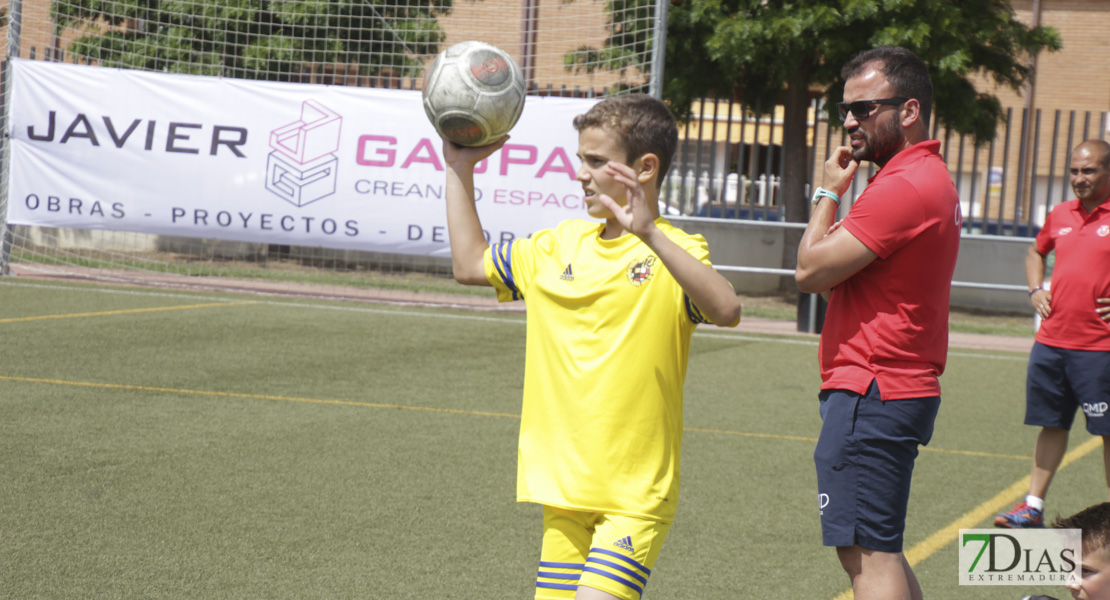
(864, 461)
(1061, 380)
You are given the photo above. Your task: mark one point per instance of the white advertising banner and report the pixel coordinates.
(279, 163)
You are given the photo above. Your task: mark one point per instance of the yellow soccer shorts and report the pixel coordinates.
(612, 553)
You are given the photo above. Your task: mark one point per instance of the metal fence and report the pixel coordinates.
(730, 164)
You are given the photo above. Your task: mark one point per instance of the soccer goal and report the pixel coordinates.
(340, 49)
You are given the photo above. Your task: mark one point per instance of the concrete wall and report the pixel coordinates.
(982, 260)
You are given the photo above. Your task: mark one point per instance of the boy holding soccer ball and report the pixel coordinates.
(611, 308)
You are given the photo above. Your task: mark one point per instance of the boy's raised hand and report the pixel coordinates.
(454, 154)
(635, 216)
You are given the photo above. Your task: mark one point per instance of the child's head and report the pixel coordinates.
(1094, 522)
(640, 123)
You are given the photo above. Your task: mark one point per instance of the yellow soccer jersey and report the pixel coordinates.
(608, 340)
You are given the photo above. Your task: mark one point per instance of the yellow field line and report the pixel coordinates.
(122, 312)
(970, 520)
(798, 438)
(119, 386)
(140, 388)
(975, 453)
(773, 436)
(143, 388)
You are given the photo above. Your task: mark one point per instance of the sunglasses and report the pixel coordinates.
(862, 109)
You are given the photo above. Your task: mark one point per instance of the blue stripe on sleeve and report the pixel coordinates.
(502, 253)
(692, 311)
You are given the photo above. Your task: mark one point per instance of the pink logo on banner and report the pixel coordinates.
(302, 167)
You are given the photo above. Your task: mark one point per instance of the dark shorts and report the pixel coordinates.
(1061, 380)
(864, 461)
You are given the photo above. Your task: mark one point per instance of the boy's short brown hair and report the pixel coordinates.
(1094, 521)
(641, 123)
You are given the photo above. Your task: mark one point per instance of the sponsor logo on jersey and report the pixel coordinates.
(640, 271)
(1063, 231)
(625, 543)
(568, 274)
(1103, 231)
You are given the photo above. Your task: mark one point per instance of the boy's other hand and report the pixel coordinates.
(635, 216)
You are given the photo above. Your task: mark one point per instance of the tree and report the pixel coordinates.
(274, 40)
(770, 52)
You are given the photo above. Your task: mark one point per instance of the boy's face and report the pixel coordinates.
(1095, 582)
(595, 149)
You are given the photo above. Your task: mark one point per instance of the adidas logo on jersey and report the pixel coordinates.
(625, 543)
(568, 274)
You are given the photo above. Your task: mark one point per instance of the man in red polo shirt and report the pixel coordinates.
(1069, 366)
(888, 270)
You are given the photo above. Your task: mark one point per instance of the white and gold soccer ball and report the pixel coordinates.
(473, 93)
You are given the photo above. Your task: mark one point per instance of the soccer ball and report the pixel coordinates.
(473, 93)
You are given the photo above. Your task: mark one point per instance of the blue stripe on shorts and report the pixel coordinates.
(574, 574)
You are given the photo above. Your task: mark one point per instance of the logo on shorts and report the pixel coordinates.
(1103, 231)
(1095, 409)
(640, 271)
(625, 543)
(822, 502)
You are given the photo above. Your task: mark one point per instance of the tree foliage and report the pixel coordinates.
(629, 41)
(254, 39)
(758, 48)
(769, 52)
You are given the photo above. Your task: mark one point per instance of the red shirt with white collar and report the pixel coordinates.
(889, 321)
(1081, 275)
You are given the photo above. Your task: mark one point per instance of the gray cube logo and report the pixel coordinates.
(302, 168)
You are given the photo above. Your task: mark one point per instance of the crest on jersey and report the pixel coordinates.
(1103, 231)
(640, 271)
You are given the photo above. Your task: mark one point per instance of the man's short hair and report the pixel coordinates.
(907, 74)
(1100, 149)
(642, 124)
(1094, 521)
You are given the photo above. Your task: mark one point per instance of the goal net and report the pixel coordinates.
(566, 49)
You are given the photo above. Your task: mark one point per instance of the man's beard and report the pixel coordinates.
(881, 146)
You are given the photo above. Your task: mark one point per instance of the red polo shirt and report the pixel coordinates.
(889, 321)
(1081, 275)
